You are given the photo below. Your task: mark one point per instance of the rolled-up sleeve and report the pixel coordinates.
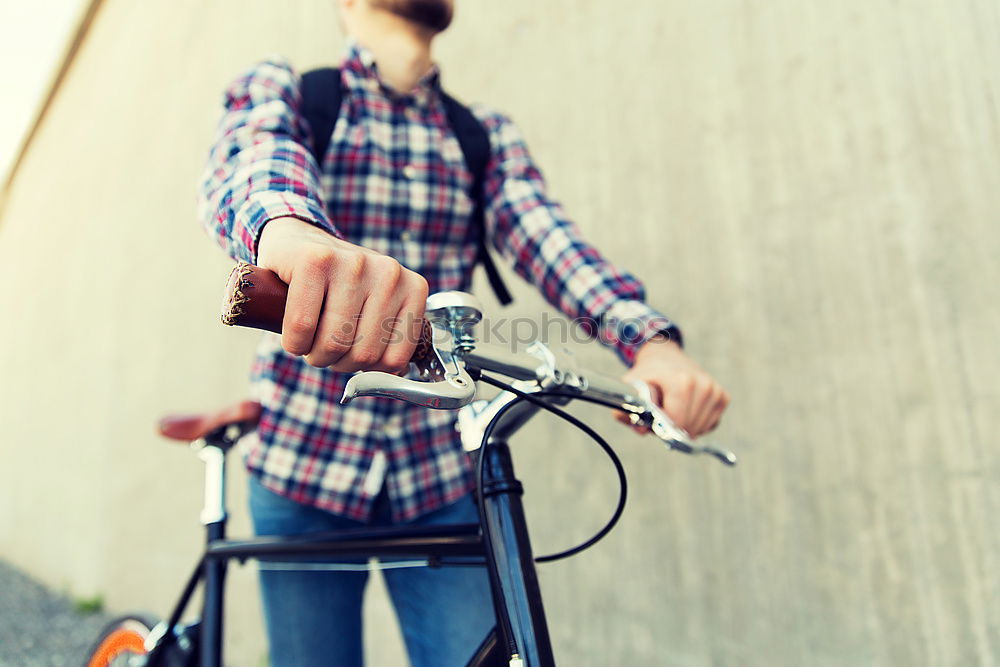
(259, 167)
(545, 248)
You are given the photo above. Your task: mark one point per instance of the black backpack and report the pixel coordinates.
(321, 98)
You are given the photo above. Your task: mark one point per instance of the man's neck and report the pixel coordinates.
(402, 53)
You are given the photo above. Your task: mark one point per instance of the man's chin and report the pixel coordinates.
(432, 15)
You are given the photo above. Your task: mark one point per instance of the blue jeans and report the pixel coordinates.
(314, 617)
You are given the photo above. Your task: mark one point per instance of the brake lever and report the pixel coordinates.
(672, 435)
(452, 392)
(444, 384)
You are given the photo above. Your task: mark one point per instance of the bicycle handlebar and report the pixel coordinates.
(448, 352)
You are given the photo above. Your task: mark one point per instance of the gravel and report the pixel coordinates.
(40, 628)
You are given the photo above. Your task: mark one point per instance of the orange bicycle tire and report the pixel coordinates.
(123, 637)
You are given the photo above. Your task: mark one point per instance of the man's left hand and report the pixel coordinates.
(686, 393)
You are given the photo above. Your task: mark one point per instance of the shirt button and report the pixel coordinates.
(406, 236)
(410, 172)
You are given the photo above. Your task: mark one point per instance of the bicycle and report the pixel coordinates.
(447, 364)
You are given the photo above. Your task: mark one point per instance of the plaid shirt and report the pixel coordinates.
(393, 180)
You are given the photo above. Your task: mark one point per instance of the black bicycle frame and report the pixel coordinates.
(521, 627)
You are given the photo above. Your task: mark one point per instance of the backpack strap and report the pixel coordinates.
(475, 143)
(322, 95)
(321, 98)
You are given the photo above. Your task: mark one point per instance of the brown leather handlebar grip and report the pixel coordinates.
(255, 298)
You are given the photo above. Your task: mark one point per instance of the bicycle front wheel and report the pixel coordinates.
(121, 640)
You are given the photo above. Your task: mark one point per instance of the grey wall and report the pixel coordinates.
(810, 188)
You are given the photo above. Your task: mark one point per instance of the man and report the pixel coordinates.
(361, 239)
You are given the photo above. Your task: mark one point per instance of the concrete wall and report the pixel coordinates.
(810, 188)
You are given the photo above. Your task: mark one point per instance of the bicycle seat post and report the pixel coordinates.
(212, 435)
(212, 450)
(213, 516)
(213, 512)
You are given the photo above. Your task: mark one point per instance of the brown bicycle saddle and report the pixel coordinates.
(188, 427)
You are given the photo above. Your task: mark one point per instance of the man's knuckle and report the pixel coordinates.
(336, 347)
(416, 289)
(396, 359)
(353, 267)
(389, 270)
(294, 347)
(316, 360)
(317, 260)
(421, 288)
(710, 390)
(302, 325)
(365, 356)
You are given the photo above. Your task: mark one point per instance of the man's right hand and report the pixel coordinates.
(348, 308)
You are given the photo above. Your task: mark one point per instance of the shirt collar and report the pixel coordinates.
(362, 77)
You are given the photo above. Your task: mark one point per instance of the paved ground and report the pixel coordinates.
(39, 628)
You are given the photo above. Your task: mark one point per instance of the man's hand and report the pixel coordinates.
(348, 307)
(687, 394)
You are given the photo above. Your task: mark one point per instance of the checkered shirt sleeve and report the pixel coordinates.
(545, 248)
(259, 167)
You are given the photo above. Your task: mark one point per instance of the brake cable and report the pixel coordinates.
(562, 414)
